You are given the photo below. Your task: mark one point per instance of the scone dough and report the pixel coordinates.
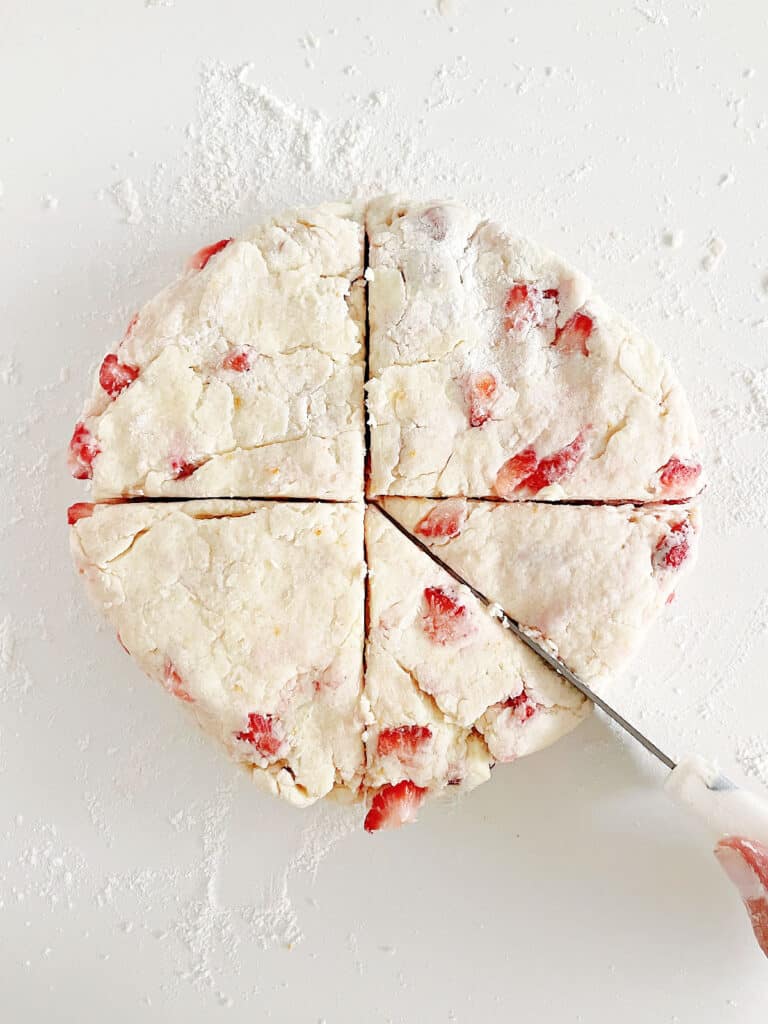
(493, 372)
(445, 674)
(245, 377)
(252, 614)
(587, 580)
(496, 371)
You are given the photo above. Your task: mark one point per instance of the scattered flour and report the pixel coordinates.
(127, 200)
(674, 239)
(752, 755)
(250, 152)
(715, 249)
(652, 15)
(274, 922)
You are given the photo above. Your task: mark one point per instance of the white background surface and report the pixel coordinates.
(141, 877)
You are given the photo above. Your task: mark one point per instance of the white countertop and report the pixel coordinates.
(141, 877)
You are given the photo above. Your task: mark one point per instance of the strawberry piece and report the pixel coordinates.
(482, 392)
(524, 472)
(745, 862)
(181, 468)
(518, 468)
(240, 360)
(677, 475)
(80, 510)
(394, 806)
(673, 548)
(405, 741)
(200, 260)
(261, 735)
(555, 467)
(82, 451)
(572, 336)
(446, 619)
(527, 306)
(115, 376)
(519, 307)
(443, 520)
(522, 705)
(172, 681)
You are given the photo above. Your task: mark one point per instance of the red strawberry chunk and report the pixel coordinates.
(519, 307)
(673, 548)
(405, 741)
(239, 359)
(201, 257)
(572, 336)
(745, 861)
(261, 735)
(521, 705)
(181, 468)
(394, 806)
(172, 681)
(677, 475)
(80, 510)
(524, 472)
(443, 520)
(482, 392)
(115, 376)
(527, 305)
(518, 468)
(446, 619)
(82, 451)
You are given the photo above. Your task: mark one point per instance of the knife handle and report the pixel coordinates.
(737, 820)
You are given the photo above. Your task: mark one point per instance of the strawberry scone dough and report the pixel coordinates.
(250, 614)
(245, 377)
(496, 371)
(588, 580)
(449, 691)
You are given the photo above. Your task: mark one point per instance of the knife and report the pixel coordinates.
(735, 818)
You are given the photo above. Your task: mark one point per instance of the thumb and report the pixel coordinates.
(745, 862)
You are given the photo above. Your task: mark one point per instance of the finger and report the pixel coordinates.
(745, 862)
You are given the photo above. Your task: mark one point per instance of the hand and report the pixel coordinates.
(745, 861)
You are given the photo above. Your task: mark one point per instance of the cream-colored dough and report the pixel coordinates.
(475, 359)
(494, 371)
(589, 580)
(248, 373)
(461, 683)
(244, 608)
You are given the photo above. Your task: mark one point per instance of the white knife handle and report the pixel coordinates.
(737, 820)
